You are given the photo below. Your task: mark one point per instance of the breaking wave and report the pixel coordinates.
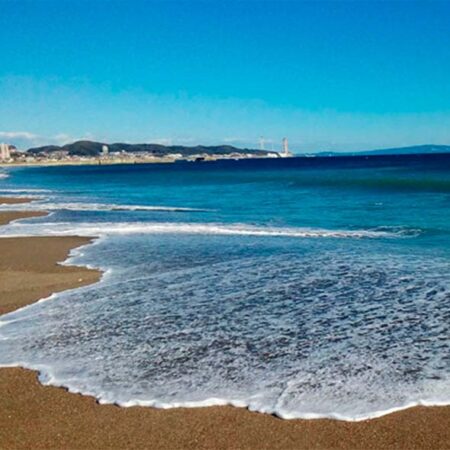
(25, 190)
(132, 228)
(79, 206)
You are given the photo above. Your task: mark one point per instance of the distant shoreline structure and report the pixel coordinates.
(99, 153)
(91, 152)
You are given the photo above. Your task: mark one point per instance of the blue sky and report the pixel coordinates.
(339, 75)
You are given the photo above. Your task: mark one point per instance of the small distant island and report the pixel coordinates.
(91, 152)
(411, 150)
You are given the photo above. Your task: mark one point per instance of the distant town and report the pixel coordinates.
(90, 152)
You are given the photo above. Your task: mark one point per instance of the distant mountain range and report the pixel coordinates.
(91, 148)
(414, 150)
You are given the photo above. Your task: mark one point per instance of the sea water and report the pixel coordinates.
(303, 287)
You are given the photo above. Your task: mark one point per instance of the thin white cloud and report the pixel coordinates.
(18, 135)
(160, 141)
(234, 140)
(25, 139)
(61, 139)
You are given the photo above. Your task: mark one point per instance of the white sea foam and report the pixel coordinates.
(17, 190)
(298, 335)
(130, 228)
(79, 206)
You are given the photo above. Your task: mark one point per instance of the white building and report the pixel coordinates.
(105, 150)
(5, 154)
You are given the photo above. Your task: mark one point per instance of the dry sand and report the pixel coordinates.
(33, 416)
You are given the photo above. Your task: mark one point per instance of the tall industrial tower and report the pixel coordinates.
(285, 148)
(261, 143)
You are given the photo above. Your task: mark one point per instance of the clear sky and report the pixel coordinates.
(339, 75)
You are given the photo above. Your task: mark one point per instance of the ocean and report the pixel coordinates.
(300, 287)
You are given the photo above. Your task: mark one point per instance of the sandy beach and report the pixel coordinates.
(14, 200)
(38, 417)
(9, 216)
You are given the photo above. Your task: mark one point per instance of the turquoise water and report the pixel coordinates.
(305, 287)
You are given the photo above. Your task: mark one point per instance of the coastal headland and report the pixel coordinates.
(38, 417)
(98, 153)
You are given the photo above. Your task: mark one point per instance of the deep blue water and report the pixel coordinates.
(303, 287)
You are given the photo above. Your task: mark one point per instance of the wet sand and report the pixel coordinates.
(9, 216)
(43, 417)
(28, 269)
(15, 200)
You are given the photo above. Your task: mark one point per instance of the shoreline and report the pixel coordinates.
(81, 163)
(10, 216)
(15, 200)
(96, 161)
(37, 416)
